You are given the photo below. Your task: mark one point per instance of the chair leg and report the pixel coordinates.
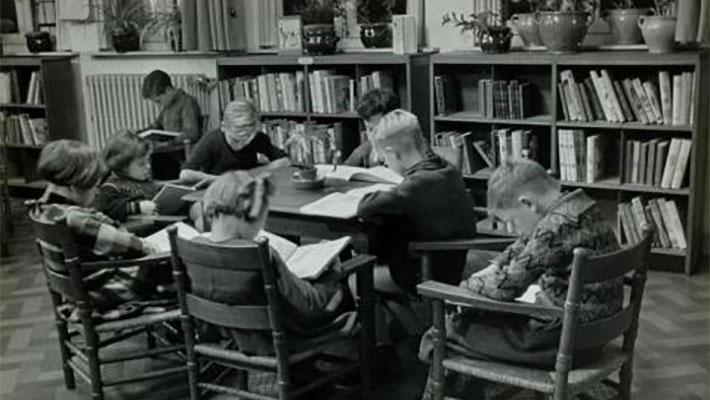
(92, 353)
(150, 339)
(243, 379)
(69, 380)
(625, 376)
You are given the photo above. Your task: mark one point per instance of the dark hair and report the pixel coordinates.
(155, 83)
(124, 147)
(71, 163)
(376, 101)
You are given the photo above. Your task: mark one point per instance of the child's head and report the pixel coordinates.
(239, 123)
(72, 165)
(128, 154)
(158, 88)
(520, 191)
(374, 104)
(399, 139)
(238, 203)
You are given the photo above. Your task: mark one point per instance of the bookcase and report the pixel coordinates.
(50, 78)
(405, 75)
(458, 87)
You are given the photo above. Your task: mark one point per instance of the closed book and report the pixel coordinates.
(639, 215)
(439, 95)
(234, 24)
(595, 158)
(581, 155)
(573, 96)
(607, 81)
(645, 101)
(664, 83)
(652, 94)
(688, 14)
(604, 97)
(682, 164)
(561, 154)
(25, 130)
(516, 143)
(212, 6)
(596, 105)
(687, 92)
(563, 102)
(691, 99)
(656, 241)
(677, 99)
(658, 222)
(661, 156)
(627, 220)
(671, 218)
(651, 161)
(642, 163)
(625, 107)
(636, 158)
(588, 111)
(636, 106)
(671, 161)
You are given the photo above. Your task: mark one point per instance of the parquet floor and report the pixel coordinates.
(671, 361)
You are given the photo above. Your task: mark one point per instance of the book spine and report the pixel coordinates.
(656, 242)
(606, 80)
(645, 102)
(439, 94)
(636, 106)
(671, 161)
(642, 163)
(677, 230)
(596, 105)
(639, 215)
(682, 164)
(589, 113)
(625, 107)
(661, 157)
(563, 102)
(677, 98)
(604, 97)
(658, 222)
(650, 161)
(636, 146)
(664, 82)
(651, 91)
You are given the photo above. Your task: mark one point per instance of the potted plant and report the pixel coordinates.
(167, 20)
(123, 21)
(563, 23)
(492, 35)
(659, 29)
(525, 23)
(318, 30)
(375, 17)
(623, 19)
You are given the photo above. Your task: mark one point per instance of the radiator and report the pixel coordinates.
(115, 103)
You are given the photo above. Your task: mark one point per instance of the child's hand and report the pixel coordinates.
(148, 207)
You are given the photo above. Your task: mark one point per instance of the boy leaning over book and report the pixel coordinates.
(551, 225)
(371, 107)
(179, 112)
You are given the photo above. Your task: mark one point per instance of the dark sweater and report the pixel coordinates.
(430, 204)
(360, 157)
(181, 115)
(214, 156)
(120, 196)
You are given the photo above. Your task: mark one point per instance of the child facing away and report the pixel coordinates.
(234, 146)
(551, 224)
(371, 107)
(129, 188)
(179, 112)
(238, 205)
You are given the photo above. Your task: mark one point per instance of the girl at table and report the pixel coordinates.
(237, 205)
(130, 187)
(371, 107)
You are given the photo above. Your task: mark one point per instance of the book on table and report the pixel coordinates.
(309, 261)
(169, 199)
(161, 242)
(341, 205)
(159, 135)
(377, 174)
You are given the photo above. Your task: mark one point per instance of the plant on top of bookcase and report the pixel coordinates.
(318, 30)
(487, 26)
(623, 17)
(123, 21)
(167, 20)
(525, 23)
(375, 17)
(563, 23)
(659, 29)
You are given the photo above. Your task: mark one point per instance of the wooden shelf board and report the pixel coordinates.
(348, 115)
(591, 58)
(298, 60)
(668, 252)
(284, 114)
(474, 117)
(24, 146)
(23, 106)
(615, 184)
(624, 125)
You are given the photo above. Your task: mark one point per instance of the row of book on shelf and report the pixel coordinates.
(328, 91)
(663, 215)
(22, 130)
(599, 97)
(654, 162)
(478, 153)
(10, 88)
(496, 98)
(306, 142)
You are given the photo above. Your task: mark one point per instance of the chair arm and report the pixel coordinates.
(460, 296)
(353, 266)
(461, 244)
(150, 259)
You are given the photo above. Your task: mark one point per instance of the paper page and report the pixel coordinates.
(308, 262)
(530, 294)
(160, 239)
(344, 172)
(341, 205)
(383, 174)
(283, 246)
(158, 132)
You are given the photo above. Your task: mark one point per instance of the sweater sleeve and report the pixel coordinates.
(265, 147)
(102, 237)
(190, 116)
(383, 203)
(115, 203)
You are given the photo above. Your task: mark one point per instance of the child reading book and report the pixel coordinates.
(179, 112)
(371, 107)
(551, 225)
(237, 205)
(130, 187)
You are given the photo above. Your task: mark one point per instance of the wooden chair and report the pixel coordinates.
(80, 348)
(232, 262)
(630, 263)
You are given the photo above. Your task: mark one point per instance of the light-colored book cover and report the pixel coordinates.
(672, 218)
(682, 164)
(671, 161)
(342, 205)
(606, 80)
(308, 261)
(677, 99)
(664, 82)
(660, 226)
(650, 90)
(639, 215)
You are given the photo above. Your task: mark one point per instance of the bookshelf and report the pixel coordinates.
(546, 123)
(406, 71)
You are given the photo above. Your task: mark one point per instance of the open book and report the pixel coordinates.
(377, 174)
(159, 135)
(160, 241)
(342, 205)
(309, 261)
(530, 294)
(169, 198)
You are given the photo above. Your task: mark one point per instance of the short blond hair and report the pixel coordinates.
(240, 112)
(238, 194)
(514, 177)
(400, 130)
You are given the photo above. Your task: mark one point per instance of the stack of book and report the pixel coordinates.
(331, 93)
(273, 92)
(504, 99)
(23, 130)
(657, 162)
(661, 214)
(376, 80)
(306, 142)
(581, 157)
(9, 87)
(34, 91)
(599, 97)
(515, 143)
(446, 95)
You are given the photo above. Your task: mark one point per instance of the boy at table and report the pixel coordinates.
(551, 225)
(371, 107)
(179, 112)
(234, 146)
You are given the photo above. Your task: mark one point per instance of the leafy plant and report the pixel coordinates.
(483, 21)
(317, 12)
(374, 11)
(165, 18)
(123, 15)
(663, 8)
(589, 6)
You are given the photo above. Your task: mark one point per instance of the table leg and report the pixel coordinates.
(365, 288)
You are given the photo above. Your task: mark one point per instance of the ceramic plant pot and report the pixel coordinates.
(39, 42)
(495, 40)
(658, 33)
(377, 35)
(624, 25)
(526, 26)
(563, 31)
(319, 39)
(125, 40)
